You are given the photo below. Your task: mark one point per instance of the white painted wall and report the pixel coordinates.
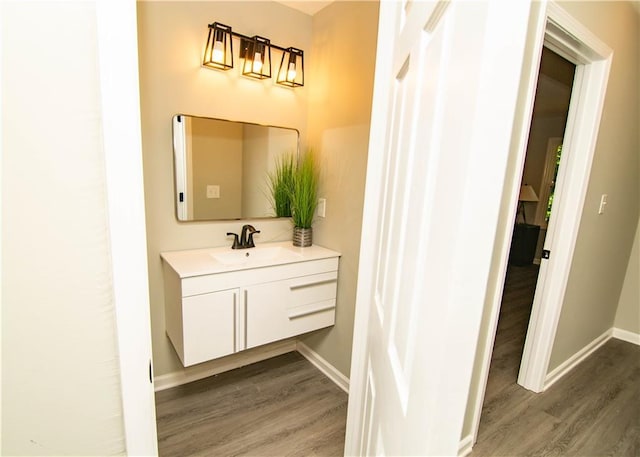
(60, 370)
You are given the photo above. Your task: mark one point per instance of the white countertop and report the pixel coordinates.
(198, 262)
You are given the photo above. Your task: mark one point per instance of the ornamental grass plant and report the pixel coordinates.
(281, 182)
(304, 194)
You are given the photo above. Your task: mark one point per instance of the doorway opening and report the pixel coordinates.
(542, 160)
(537, 192)
(592, 58)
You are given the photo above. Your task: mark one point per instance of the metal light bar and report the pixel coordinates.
(256, 52)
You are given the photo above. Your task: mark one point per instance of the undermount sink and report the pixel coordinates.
(255, 255)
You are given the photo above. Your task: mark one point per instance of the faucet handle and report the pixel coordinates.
(236, 242)
(250, 242)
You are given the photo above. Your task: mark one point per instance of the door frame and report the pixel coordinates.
(562, 33)
(117, 47)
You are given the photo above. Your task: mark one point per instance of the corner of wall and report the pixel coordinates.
(343, 50)
(628, 311)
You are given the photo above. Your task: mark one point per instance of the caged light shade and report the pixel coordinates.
(256, 52)
(219, 50)
(291, 71)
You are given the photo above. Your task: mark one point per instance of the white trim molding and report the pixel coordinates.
(466, 444)
(572, 40)
(626, 335)
(325, 367)
(177, 378)
(573, 361)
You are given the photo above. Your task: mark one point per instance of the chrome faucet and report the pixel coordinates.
(246, 237)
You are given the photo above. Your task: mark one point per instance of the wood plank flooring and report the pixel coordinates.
(283, 406)
(593, 411)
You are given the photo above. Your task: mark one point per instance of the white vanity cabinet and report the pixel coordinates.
(252, 297)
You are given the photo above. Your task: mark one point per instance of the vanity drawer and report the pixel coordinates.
(244, 278)
(282, 309)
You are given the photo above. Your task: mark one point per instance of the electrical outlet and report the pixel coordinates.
(322, 207)
(213, 191)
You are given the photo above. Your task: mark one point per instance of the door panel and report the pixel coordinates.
(209, 326)
(414, 349)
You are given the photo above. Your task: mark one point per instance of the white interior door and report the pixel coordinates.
(444, 102)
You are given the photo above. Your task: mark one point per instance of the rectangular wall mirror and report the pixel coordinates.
(221, 167)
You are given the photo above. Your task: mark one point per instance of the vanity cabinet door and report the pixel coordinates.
(209, 326)
(282, 309)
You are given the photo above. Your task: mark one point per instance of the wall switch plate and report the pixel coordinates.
(322, 207)
(603, 203)
(213, 191)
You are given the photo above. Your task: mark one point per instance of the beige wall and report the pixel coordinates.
(344, 45)
(172, 37)
(604, 241)
(628, 313)
(60, 372)
(255, 155)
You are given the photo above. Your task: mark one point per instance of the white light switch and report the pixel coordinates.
(603, 203)
(322, 207)
(213, 191)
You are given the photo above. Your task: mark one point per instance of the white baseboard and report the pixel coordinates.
(576, 358)
(466, 443)
(321, 364)
(626, 335)
(231, 362)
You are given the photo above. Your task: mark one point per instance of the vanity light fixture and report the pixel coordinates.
(256, 53)
(219, 51)
(291, 72)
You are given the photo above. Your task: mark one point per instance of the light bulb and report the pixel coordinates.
(218, 52)
(291, 73)
(257, 62)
